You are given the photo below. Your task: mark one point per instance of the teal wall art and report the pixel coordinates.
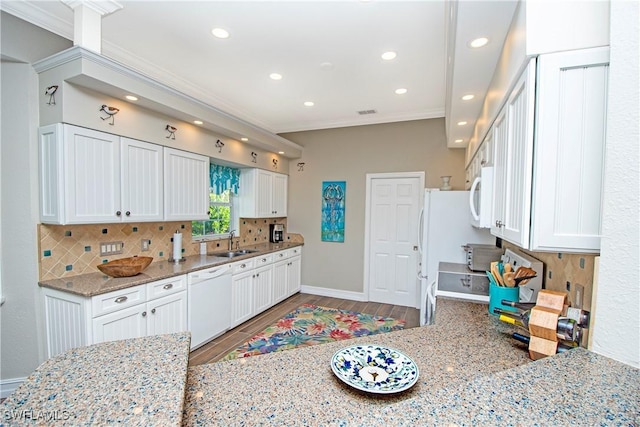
(333, 204)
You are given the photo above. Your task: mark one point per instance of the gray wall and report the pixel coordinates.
(348, 154)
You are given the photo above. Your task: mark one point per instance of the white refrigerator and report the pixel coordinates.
(445, 226)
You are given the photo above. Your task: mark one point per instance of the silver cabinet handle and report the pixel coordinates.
(118, 213)
(153, 311)
(280, 255)
(243, 265)
(144, 314)
(264, 260)
(168, 286)
(120, 300)
(128, 213)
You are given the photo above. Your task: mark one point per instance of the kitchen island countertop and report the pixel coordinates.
(471, 373)
(91, 284)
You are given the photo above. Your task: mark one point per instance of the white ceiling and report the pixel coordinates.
(171, 41)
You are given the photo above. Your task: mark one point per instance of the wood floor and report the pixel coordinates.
(221, 346)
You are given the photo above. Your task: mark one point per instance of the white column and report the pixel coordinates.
(87, 21)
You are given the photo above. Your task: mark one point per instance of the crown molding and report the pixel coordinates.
(103, 7)
(31, 13)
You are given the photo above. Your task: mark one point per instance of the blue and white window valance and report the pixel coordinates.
(223, 178)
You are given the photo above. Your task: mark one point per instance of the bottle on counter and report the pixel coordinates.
(525, 339)
(567, 329)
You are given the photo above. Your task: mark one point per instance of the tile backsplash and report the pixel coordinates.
(71, 250)
(564, 271)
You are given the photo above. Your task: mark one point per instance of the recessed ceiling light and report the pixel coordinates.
(244, 139)
(131, 98)
(458, 141)
(309, 104)
(479, 42)
(275, 76)
(280, 152)
(388, 56)
(462, 123)
(468, 97)
(401, 91)
(198, 122)
(220, 33)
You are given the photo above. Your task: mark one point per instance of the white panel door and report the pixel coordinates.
(279, 195)
(293, 275)
(570, 143)
(262, 292)
(499, 173)
(141, 181)
(168, 314)
(186, 186)
(519, 159)
(393, 234)
(264, 190)
(280, 274)
(92, 167)
(241, 298)
(121, 325)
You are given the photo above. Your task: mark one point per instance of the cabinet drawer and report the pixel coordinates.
(166, 287)
(279, 256)
(242, 266)
(263, 260)
(117, 300)
(295, 251)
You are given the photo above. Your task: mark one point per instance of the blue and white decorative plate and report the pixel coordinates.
(374, 368)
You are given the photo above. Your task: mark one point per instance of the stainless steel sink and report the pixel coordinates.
(231, 254)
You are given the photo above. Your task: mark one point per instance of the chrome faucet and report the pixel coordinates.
(231, 236)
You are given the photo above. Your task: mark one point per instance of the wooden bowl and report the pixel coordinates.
(125, 267)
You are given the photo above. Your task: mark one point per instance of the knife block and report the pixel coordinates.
(543, 323)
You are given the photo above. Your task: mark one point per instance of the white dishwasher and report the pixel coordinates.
(209, 303)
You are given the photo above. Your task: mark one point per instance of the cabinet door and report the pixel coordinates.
(279, 195)
(293, 282)
(264, 190)
(280, 288)
(241, 298)
(121, 325)
(570, 143)
(262, 293)
(141, 181)
(186, 186)
(168, 314)
(519, 152)
(499, 172)
(92, 168)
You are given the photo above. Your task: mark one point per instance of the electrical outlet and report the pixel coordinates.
(579, 296)
(111, 248)
(144, 244)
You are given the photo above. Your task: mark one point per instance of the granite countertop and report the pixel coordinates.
(131, 382)
(88, 285)
(471, 373)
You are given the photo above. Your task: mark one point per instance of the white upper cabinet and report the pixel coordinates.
(548, 186)
(569, 156)
(87, 176)
(263, 194)
(186, 186)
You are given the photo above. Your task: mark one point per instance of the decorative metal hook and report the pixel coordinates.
(51, 92)
(219, 145)
(254, 157)
(300, 166)
(275, 163)
(172, 131)
(110, 111)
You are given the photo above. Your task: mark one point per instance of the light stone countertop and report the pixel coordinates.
(88, 285)
(131, 382)
(471, 373)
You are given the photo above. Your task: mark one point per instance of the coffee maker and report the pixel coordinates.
(276, 233)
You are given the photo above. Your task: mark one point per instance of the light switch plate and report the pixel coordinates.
(111, 248)
(144, 244)
(579, 296)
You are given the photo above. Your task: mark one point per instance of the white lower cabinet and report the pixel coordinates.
(241, 298)
(262, 282)
(72, 321)
(280, 274)
(293, 276)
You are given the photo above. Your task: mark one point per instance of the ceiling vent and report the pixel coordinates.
(364, 112)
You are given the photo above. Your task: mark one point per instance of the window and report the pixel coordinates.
(221, 216)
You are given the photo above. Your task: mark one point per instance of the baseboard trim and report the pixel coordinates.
(334, 293)
(8, 386)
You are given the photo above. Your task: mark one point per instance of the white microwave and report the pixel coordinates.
(480, 198)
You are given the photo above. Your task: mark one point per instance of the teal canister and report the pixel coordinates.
(498, 293)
